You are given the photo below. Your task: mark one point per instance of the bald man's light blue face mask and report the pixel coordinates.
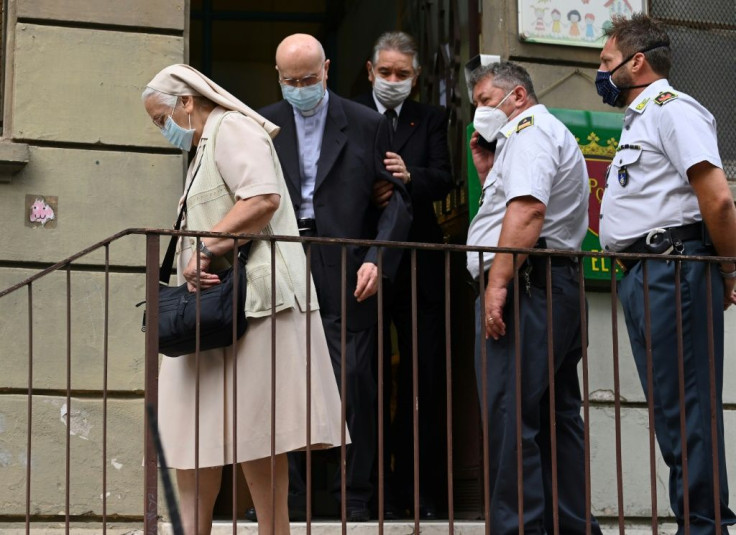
(303, 98)
(176, 135)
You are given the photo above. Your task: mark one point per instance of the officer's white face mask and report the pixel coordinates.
(488, 121)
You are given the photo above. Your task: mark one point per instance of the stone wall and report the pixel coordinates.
(74, 72)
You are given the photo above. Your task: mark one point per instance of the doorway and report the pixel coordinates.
(234, 42)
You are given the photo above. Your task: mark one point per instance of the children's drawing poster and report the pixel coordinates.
(571, 22)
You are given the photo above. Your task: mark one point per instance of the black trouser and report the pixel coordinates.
(501, 400)
(360, 399)
(665, 376)
(399, 434)
(360, 402)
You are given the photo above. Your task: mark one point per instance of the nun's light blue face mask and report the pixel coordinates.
(175, 134)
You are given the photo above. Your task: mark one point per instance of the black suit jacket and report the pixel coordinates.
(421, 141)
(350, 161)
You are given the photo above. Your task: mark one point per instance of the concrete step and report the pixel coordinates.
(222, 527)
(407, 528)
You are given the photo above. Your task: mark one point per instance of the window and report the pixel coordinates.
(703, 38)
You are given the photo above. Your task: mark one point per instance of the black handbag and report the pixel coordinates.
(177, 313)
(177, 310)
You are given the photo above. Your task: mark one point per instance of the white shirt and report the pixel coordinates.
(382, 109)
(309, 131)
(665, 133)
(536, 156)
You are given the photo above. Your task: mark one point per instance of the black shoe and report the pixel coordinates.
(250, 515)
(295, 515)
(391, 512)
(358, 514)
(427, 512)
(297, 507)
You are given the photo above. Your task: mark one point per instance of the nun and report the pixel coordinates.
(237, 186)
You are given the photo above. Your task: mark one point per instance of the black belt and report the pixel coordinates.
(536, 266)
(663, 241)
(306, 225)
(537, 269)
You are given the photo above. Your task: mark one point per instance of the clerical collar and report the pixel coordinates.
(317, 108)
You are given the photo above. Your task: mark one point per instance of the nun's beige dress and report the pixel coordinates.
(241, 157)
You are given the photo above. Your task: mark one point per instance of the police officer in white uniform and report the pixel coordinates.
(535, 193)
(666, 193)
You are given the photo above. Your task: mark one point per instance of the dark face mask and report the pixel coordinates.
(605, 87)
(608, 90)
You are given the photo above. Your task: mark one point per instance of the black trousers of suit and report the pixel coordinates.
(398, 435)
(360, 399)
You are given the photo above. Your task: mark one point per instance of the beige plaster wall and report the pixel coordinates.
(634, 463)
(100, 193)
(125, 341)
(74, 76)
(563, 76)
(50, 417)
(137, 13)
(82, 85)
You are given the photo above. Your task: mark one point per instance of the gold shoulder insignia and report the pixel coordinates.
(664, 97)
(525, 122)
(642, 104)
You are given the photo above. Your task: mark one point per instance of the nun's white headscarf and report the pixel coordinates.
(183, 80)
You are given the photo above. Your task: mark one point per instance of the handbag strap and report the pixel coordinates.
(164, 273)
(168, 263)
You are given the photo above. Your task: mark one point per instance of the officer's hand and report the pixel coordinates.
(367, 281)
(382, 191)
(729, 294)
(482, 158)
(495, 302)
(396, 166)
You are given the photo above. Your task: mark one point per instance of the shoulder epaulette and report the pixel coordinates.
(525, 122)
(642, 104)
(664, 97)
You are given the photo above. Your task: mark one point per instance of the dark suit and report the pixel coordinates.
(421, 141)
(350, 161)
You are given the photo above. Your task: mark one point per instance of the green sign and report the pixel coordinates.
(597, 135)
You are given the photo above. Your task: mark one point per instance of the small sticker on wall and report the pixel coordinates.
(41, 211)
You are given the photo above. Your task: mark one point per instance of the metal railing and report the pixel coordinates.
(151, 512)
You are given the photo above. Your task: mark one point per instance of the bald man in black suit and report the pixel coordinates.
(331, 154)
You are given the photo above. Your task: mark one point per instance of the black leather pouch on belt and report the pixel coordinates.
(536, 268)
(665, 241)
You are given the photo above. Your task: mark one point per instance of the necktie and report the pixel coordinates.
(392, 118)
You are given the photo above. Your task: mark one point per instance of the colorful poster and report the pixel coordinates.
(571, 22)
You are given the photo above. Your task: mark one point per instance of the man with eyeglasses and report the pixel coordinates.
(419, 157)
(331, 151)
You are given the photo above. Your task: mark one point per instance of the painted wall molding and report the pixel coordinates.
(13, 158)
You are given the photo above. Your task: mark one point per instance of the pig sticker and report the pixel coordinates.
(41, 212)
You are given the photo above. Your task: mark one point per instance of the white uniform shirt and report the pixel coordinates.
(665, 133)
(536, 156)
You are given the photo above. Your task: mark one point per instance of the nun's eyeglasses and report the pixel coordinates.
(160, 119)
